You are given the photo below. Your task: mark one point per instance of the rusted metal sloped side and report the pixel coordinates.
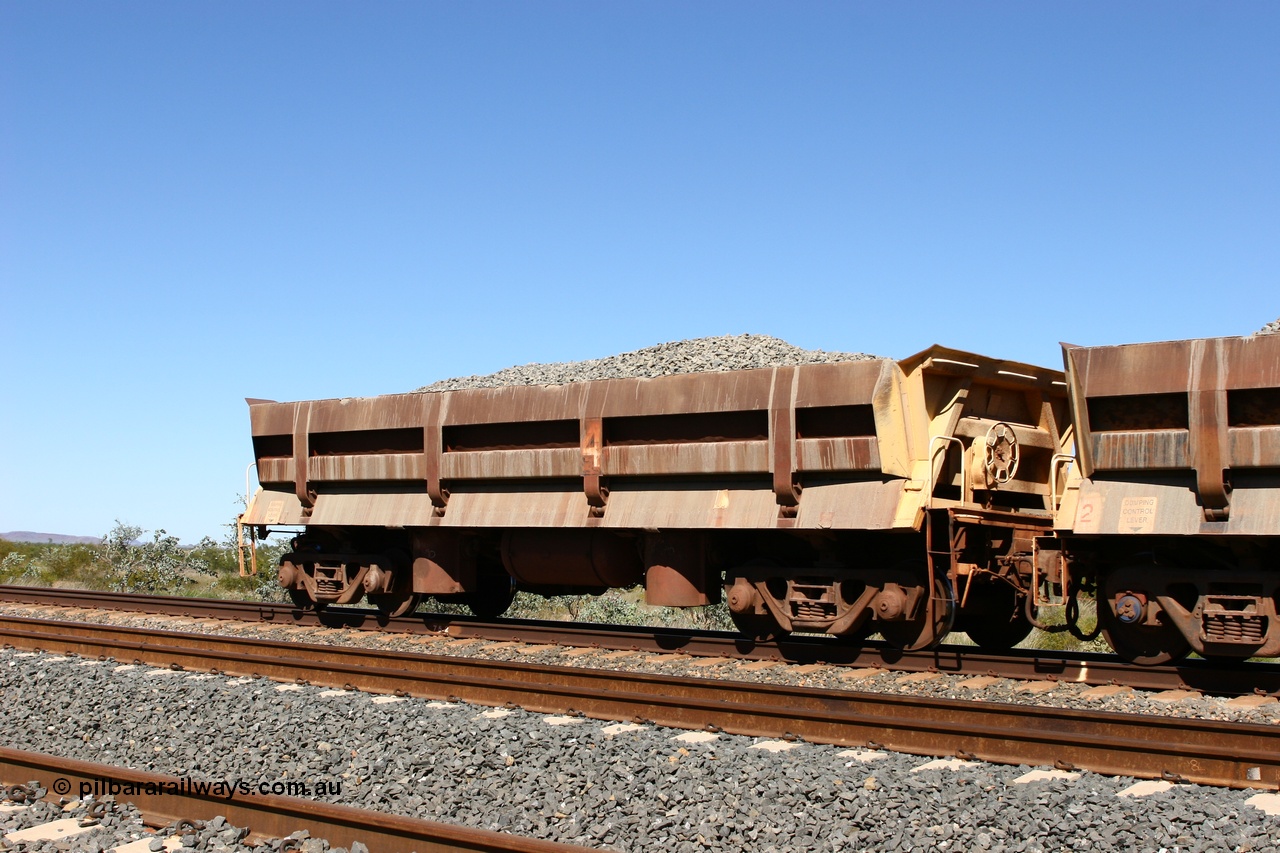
(874, 465)
(984, 432)
(272, 426)
(821, 446)
(273, 506)
(1178, 437)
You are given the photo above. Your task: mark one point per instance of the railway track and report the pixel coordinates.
(166, 799)
(1225, 678)
(1209, 752)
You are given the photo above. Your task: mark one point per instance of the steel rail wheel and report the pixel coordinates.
(1144, 645)
(930, 625)
(1132, 638)
(302, 600)
(994, 617)
(393, 604)
(757, 626)
(493, 596)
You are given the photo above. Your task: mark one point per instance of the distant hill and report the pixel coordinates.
(55, 538)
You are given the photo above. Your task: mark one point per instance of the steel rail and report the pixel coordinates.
(1214, 677)
(1210, 752)
(167, 799)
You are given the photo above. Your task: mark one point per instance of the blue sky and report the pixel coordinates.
(201, 202)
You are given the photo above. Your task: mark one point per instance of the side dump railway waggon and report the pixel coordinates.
(1173, 508)
(943, 492)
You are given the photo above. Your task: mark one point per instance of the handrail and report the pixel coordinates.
(253, 546)
(964, 478)
(1059, 460)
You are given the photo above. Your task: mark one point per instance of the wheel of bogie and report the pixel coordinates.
(393, 604)
(494, 596)
(994, 617)
(922, 632)
(757, 626)
(302, 600)
(1145, 645)
(863, 632)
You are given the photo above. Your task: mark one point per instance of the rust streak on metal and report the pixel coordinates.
(1210, 450)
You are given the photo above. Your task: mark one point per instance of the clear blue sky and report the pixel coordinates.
(204, 201)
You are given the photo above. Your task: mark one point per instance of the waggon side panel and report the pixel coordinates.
(1120, 508)
(676, 451)
(1207, 407)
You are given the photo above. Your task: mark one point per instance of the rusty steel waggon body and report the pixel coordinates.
(946, 491)
(898, 497)
(1173, 509)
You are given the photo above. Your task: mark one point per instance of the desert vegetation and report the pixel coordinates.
(130, 559)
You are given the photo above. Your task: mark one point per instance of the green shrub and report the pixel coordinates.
(48, 564)
(13, 565)
(1064, 641)
(618, 607)
(161, 565)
